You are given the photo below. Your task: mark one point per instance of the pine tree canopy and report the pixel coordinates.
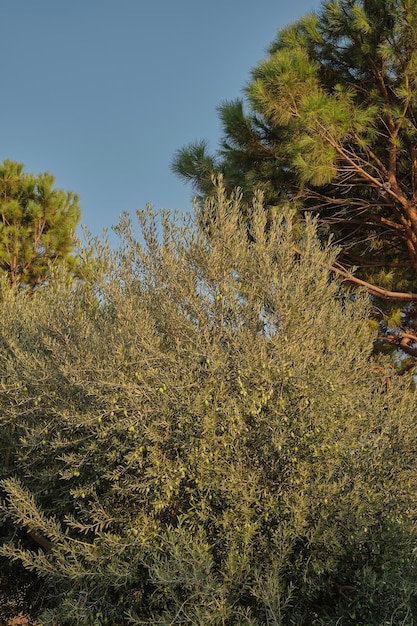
(329, 123)
(37, 224)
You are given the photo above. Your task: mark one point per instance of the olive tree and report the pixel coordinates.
(197, 434)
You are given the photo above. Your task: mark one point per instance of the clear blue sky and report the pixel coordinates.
(101, 93)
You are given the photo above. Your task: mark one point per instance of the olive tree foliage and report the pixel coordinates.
(195, 435)
(37, 225)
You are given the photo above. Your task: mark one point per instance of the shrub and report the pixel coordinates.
(198, 434)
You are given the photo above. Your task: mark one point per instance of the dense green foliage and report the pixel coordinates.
(330, 123)
(37, 225)
(196, 435)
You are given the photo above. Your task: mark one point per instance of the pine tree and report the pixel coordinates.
(331, 124)
(37, 224)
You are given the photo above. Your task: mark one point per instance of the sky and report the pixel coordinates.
(101, 93)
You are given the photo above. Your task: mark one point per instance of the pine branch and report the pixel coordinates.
(373, 290)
